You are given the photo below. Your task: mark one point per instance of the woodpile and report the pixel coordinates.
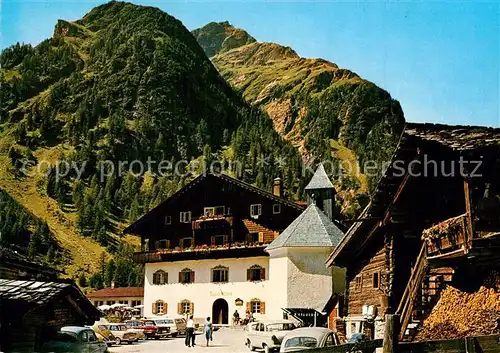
(459, 314)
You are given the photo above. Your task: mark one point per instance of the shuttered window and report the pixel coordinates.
(220, 274)
(256, 306)
(186, 276)
(160, 277)
(256, 273)
(159, 307)
(185, 307)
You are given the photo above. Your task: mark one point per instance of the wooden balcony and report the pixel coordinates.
(449, 238)
(197, 222)
(236, 250)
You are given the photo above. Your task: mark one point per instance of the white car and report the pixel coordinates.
(166, 327)
(309, 338)
(267, 334)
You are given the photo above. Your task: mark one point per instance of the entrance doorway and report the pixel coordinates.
(220, 312)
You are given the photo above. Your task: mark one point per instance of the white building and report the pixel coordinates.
(271, 257)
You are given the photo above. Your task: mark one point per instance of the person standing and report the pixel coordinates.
(190, 332)
(207, 329)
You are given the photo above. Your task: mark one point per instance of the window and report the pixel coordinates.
(185, 307)
(123, 302)
(376, 280)
(359, 283)
(255, 210)
(136, 302)
(168, 220)
(253, 237)
(256, 306)
(329, 341)
(185, 217)
(256, 273)
(160, 277)
(309, 342)
(186, 276)
(214, 211)
(276, 208)
(186, 243)
(85, 336)
(220, 274)
(219, 240)
(162, 244)
(92, 337)
(159, 307)
(110, 302)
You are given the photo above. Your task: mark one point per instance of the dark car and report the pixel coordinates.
(75, 339)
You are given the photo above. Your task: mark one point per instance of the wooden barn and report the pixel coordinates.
(32, 312)
(433, 219)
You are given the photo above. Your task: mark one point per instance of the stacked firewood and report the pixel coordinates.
(460, 314)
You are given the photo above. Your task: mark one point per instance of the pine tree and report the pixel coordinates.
(82, 280)
(110, 273)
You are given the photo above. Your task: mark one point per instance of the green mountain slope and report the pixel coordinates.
(324, 111)
(125, 84)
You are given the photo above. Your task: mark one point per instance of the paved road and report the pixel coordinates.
(225, 341)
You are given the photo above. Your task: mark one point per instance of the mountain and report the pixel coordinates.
(218, 37)
(325, 111)
(123, 86)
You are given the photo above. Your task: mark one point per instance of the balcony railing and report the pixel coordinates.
(196, 222)
(237, 249)
(452, 234)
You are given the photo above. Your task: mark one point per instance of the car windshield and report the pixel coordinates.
(149, 323)
(102, 327)
(123, 328)
(66, 337)
(161, 322)
(308, 342)
(280, 327)
(169, 321)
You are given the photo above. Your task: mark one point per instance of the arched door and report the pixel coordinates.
(220, 312)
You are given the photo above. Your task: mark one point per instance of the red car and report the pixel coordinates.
(150, 329)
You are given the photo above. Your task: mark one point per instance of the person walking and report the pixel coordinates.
(190, 332)
(207, 329)
(236, 318)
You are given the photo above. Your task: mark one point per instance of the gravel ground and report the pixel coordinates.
(225, 341)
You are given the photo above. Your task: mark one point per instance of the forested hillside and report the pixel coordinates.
(325, 111)
(124, 83)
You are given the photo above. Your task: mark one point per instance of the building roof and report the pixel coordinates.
(14, 260)
(18, 297)
(134, 227)
(456, 137)
(117, 292)
(30, 291)
(311, 228)
(320, 180)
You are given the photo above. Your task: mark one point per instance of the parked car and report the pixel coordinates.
(150, 329)
(75, 339)
(122, 333)
(136, 326)
(165, 327)
(104, 332)
(181, 325)
(309, 338)
(267, 334)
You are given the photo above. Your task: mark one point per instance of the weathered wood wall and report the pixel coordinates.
(366, 293)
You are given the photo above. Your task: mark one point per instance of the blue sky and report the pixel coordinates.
(441, 60)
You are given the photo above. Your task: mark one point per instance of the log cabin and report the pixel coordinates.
(433, 219)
